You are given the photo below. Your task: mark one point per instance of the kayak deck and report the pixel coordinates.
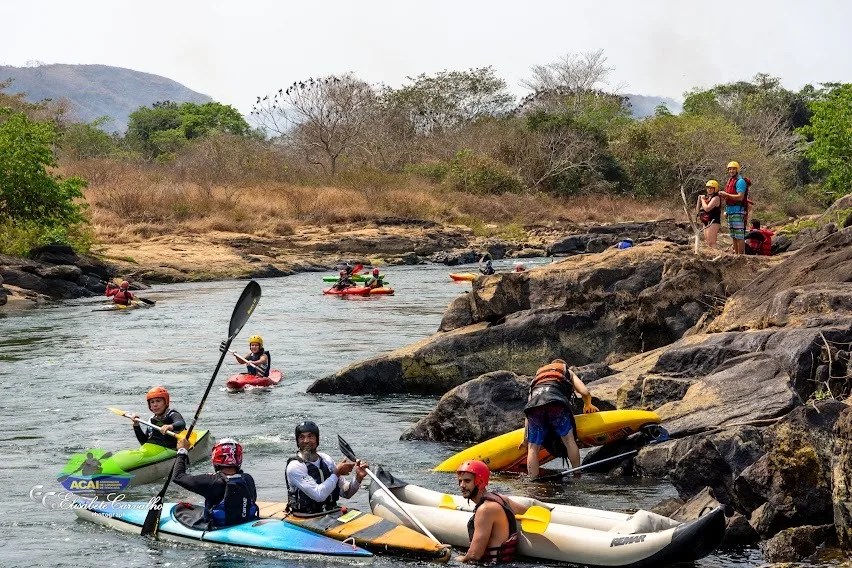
(369, 531)
(242, 380)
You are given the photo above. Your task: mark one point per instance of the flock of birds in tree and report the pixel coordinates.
(301, 85)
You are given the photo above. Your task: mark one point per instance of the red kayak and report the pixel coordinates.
(357, 290)
(239, 382)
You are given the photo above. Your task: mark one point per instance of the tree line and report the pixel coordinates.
(463, 130)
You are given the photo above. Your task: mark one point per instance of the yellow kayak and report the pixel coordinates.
(597, 429)
(366, 529)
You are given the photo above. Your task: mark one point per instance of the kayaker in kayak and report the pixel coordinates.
(166, 419)
(492, 529)
(489, 268)
(375, 281)
(549, 409)
(121, 293)
(261, 359)
(229, 493)
(314, 482)
(344, 281)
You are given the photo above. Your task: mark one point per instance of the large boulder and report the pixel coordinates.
(842, 478)
(796, 544)
(480, 409)
(798, 291)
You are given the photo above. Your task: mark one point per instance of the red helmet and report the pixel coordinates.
(375, 272)
(480, 472)
(227, 453)
(157, 392)
(124, 284)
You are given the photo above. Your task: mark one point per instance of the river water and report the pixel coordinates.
(60, 367)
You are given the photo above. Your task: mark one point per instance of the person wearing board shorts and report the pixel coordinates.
(735, 206)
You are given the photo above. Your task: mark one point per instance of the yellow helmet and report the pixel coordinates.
(256, 339)
(734, 165)
(712, 183)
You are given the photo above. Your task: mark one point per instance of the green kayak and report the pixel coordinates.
(354, 278)
(102, 471)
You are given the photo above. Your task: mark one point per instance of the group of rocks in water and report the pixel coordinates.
(745, 359)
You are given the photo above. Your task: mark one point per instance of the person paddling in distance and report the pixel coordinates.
(166, 419)
(260, 359)
(709, 212)
(492, 528)
(229, 493)
(120, 294)
(375, 281)
(549, 408)
(344, 281)
(314, 482)
(488, 269)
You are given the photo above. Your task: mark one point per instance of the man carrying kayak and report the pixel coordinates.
(120, 294)
(492, 529)
(165, 419)
(314, 482)
(549, 409)
(375, 281)
(229, 493)
(260, 358)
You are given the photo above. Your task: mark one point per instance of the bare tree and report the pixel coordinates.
(569, 81)
(319, 118)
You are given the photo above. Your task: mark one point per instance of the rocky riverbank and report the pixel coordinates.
(56, 273)
(746, 360)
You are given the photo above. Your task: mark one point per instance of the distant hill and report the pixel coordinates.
(642, 106)
(97, 90)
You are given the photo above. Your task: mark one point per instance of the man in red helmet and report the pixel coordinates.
(375, 281)
(492, 528)
(166, 419)
(121, 293)
(344, 281)
(229, 493)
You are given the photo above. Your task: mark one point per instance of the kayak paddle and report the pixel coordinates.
(534, 520)
(246, 361)
(347, 451)
(145, 300)
(562, 474)
(242, 311)
(179, 435)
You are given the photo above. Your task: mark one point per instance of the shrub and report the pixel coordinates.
(479, 173)
(433, 171)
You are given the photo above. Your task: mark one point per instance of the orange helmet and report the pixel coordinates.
(157, 392)
(480, 472)
(124, 284)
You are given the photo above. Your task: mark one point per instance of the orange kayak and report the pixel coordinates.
(462, 277)
(381, 290)
(356, 290)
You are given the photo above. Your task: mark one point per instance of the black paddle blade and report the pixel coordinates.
(346, 449)
(242, 311)
(245, 306)
(146, 300)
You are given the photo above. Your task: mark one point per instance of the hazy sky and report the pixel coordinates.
(234, 51)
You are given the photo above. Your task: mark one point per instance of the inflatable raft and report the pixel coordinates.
(101, 471)
(578, 535)
(597, 429)
(368, 531)
(180, 523)
(243, 380)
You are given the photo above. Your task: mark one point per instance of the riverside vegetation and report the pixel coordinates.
(454, 147)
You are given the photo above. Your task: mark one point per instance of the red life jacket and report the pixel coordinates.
(731, 187)
(507, 551)
(761, 247)
(120, 296)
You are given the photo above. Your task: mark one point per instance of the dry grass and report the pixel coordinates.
(129, 202)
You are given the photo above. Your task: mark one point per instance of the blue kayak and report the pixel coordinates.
(267, 535)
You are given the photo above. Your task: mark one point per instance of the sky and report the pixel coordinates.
(235, 51)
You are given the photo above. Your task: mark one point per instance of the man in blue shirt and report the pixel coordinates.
(735, 206)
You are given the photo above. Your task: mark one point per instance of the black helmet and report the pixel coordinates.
(307, 426)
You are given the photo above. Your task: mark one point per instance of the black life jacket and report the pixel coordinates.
(264, 369)
(156, 437)
(507, 551)
(237, 505)
(298, 501)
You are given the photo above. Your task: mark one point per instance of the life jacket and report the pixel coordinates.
(298, 501)
(760, 246)
(554, 373)
(157, 437)
(264, 369)
(731, 187)
(237, 505)
(714, 215)
(119, 296)
(507, 551)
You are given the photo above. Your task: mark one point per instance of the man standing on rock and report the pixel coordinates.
(549, 409)
(735, 206)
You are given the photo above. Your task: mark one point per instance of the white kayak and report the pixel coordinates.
(578, 535)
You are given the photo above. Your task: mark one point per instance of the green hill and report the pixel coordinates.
(97, 90)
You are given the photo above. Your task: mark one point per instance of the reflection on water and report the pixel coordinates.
(62, 366)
